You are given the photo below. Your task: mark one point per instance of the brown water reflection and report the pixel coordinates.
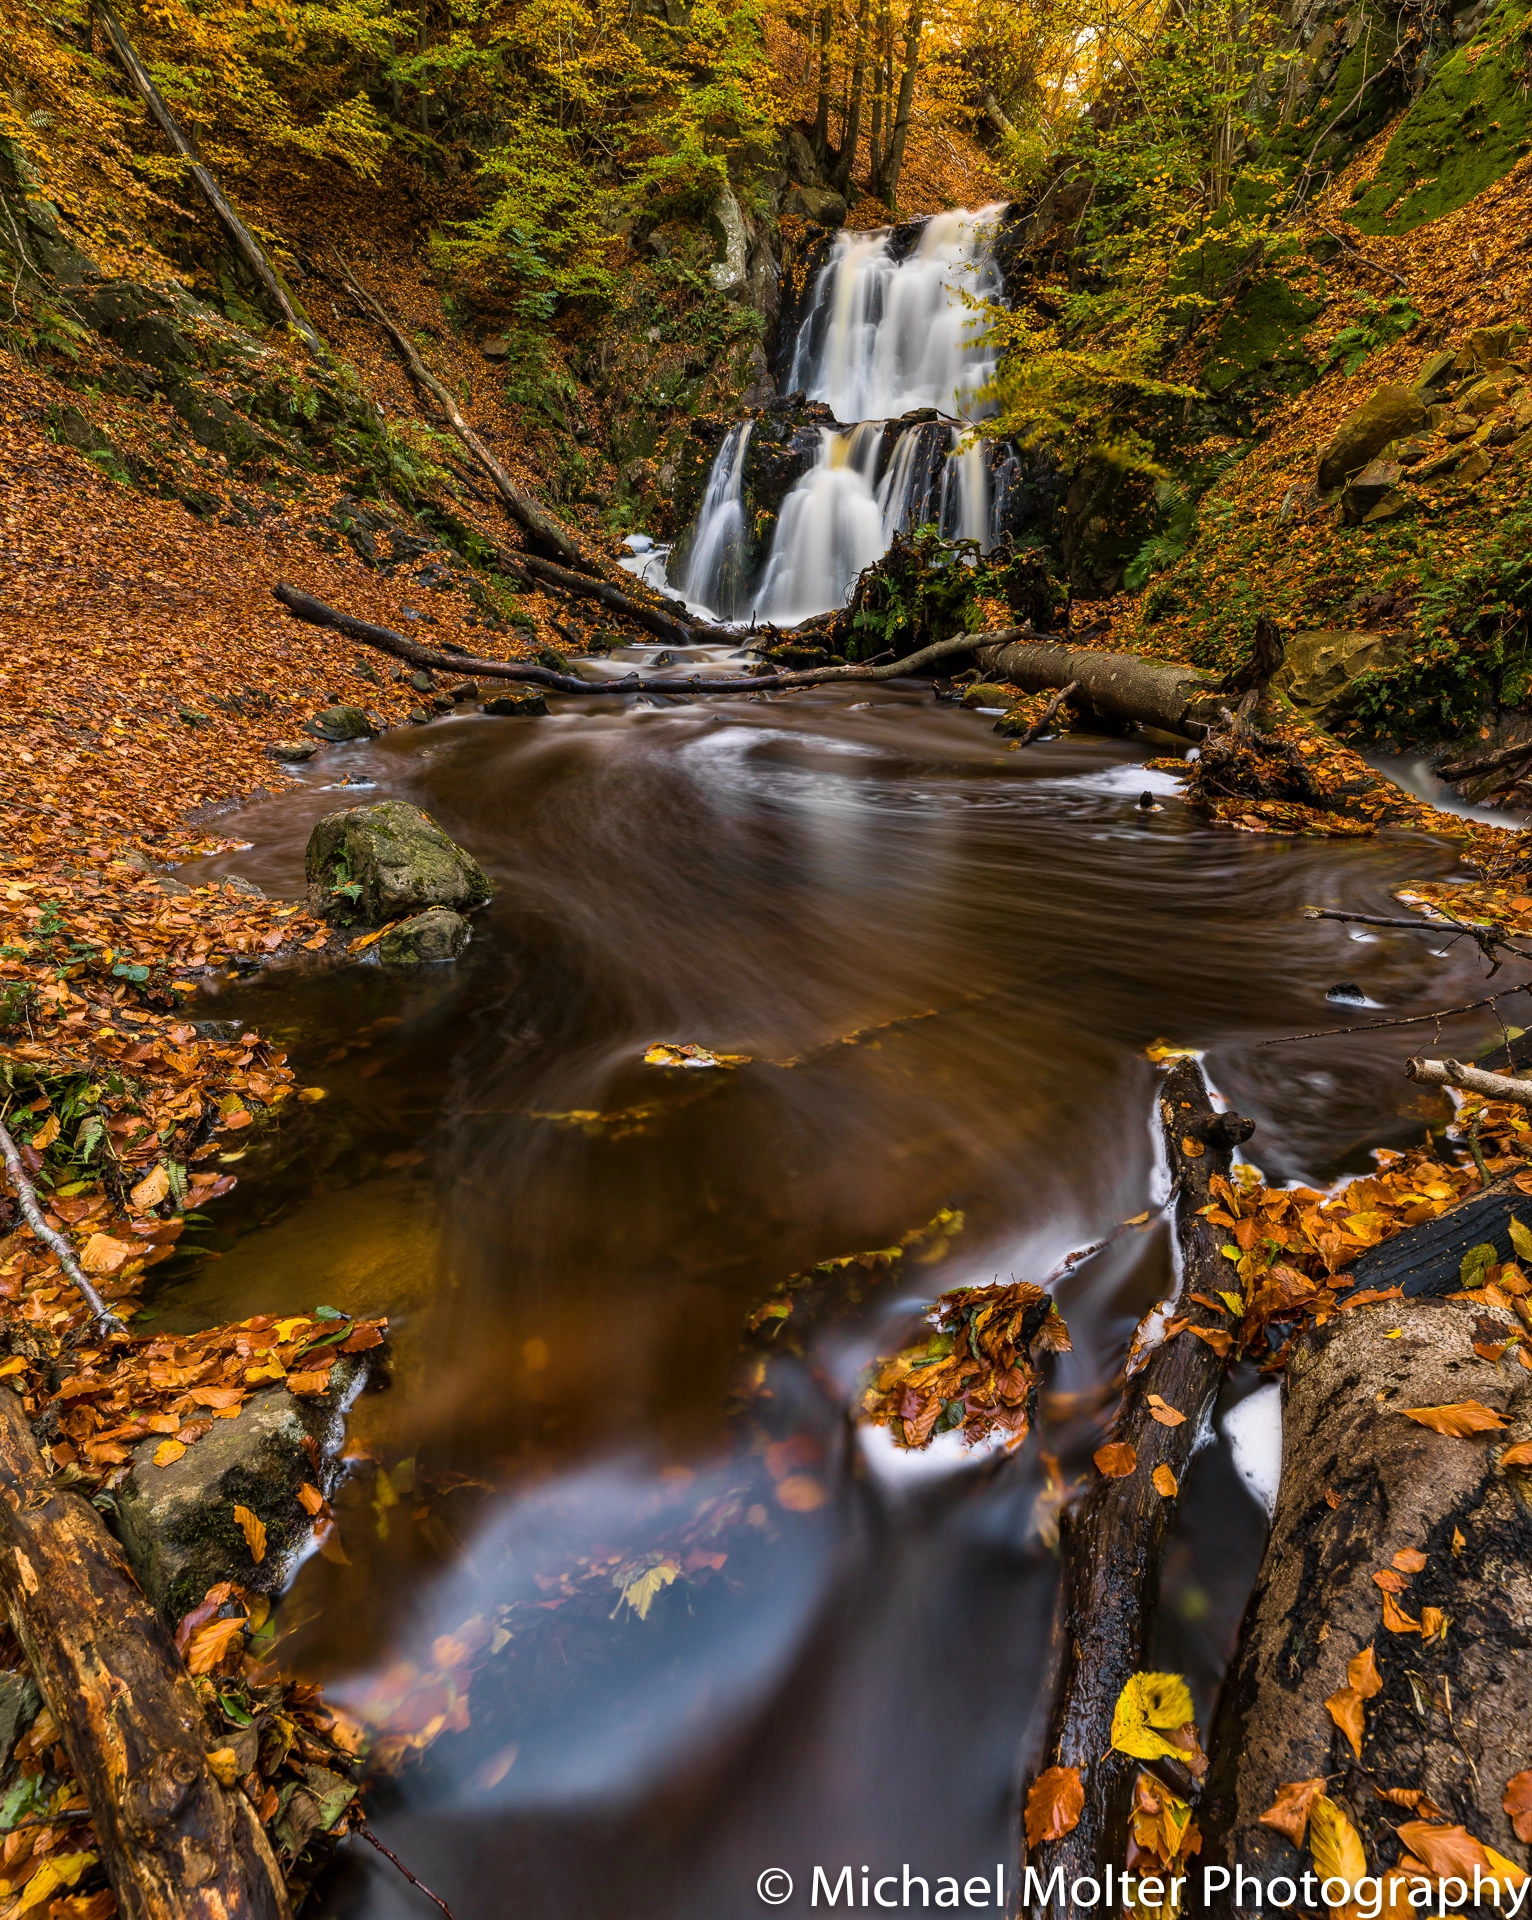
(857, 1682)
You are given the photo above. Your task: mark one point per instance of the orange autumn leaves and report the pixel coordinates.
(1345, 1706)
(973, 1374)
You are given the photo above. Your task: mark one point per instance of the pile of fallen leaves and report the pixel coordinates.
(974, 1372)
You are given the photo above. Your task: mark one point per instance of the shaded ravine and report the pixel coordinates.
(945, 960)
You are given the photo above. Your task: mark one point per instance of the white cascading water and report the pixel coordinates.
(882, 337)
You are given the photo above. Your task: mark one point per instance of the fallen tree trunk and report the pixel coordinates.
(538, 572)
(305, 607)
(533, 518)
(176, 1844)
(1429, 1258)
(1119, 686)
(1114, 1539)
(1361, 1484)
(245, 243)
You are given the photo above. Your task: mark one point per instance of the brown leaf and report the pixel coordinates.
(1433, 1623)
(1409, 1560)
(1461, 1417)
(1054, 1803)
(308, 1382)
(1518, 1456)
(1412, 1798)
(151, 1190)
(1389, 1581)
(1518, 1804)
(1193, 1149)
(801, 1493)
(168, 1452)
(1445, 1850)
(1167, 1416)
(1165, 1483)
(1116, 1459)
(1395, 1618)
(212, 1643)
(210, 1603)
(1289, 1812)
(310, 1498)
(1345, 1709)
(254, 1531)
(1363, 1674)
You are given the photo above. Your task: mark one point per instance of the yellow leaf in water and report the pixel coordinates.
(168, 1452)
(308, 1095)
(1161, 1050)
(151, 1190)
(641, 1589)
(254, 1531)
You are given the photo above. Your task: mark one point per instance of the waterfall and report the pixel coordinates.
(715, 575)
(887, 333)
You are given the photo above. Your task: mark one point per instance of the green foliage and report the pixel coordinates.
(1469, 127)
(1377, 326)
(926, 588)
(1163, 548)
(726, 110)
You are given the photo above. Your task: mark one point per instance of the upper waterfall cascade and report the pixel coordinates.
(887, 332)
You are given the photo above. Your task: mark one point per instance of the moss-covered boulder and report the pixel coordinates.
(425, 940)
(1320, 670)
(369, 865)
(987, 694)
(340, 723)
(177, 1522)
(1362, 435)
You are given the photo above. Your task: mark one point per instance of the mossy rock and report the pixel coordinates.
(369, 865)
(1261, 339)
(1466, 131)
(1380, 420)
(986, 695)
(425, 940)
(1320, 671)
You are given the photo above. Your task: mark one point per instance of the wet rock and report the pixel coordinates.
(1375, 487)
(426, 939)
(552, 659)
(822, 205)
(340, 723)
(419, 716)
(369, 865)
(177, 1523)
(422, 682)
(469, 690)
(1321, 667)
(292, 750)
(529, 703)
(728, 226)
(442, 702)
(985, 695)
(1362, 435)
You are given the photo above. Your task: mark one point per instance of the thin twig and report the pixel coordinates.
(106, 1320)
(1376, 265)
(1041, 725)
(1413, 1020)
(368, 1834)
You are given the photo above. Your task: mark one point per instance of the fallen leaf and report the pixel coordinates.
(801, 1493)
(1412, 1798)
(168, 1452)
(1148, 1706)
(1462, 1417)
(1433, 1623)
(1054, 1803)
(1165, 1483)
(1518, 1456)
(1389, 1581)
(254, 1531)
(151, 1190)
(309, 1095)
(1116, 1459)
(102, 1254)
(1409, 1560)
(223, 1764)
(58, 1870)
(1518, 1804)
(1363, 1674)
(310, 1498)
(1395, 1618)
(209, 1644)
(1336, 1846)
(1193, 1149)
(1345, 1709)
(1453, 1851)
(1289, 1812)
(16, 1364)
(640, 1590)
(307, 1382)
(1167, 1416)
(46, 1134)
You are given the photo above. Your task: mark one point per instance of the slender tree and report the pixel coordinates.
(822, 106)
(851, 131)
(886, 186)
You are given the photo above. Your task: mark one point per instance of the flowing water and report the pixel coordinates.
(675, 1620)
(886, 333)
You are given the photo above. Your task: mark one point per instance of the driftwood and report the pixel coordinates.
(1114, 1539)
(1428, 1259)
(1118, 686)
(1453, 1073)
(106, 1320)
(247, 246)
(1048, 715)
(533, 519)
(677, 628)
(176, 1844)
(305, 607)
(1360, 1484)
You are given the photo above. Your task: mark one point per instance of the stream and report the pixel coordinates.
(671, 1618)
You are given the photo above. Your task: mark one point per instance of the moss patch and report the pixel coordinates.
(1263, 333)
(1470, 126)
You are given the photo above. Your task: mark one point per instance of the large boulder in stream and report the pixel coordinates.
(368, 865)
(177, 1522)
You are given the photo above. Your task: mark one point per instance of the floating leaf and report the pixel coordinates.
(1054, 1803)
(801, 1493)
(640, 1590)
(1461, 1417)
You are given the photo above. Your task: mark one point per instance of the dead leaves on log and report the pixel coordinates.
(1054, 1802)
(1289, 1812)
(1345, 1706)
(973, 1374)
(1153, 1721)
(1461, 1418)
(1116, 1460)
(1517, 1804)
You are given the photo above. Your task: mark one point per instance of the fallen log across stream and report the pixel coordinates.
(176, 1844)
(1114, 1539)
(1118, 686)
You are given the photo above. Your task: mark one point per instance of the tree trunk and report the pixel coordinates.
(822, 106)
(1114, 1539)
(882, 104)
(176, 1845)
(244, 241)
(887, 188)
(534, 520)
(851, 132)
(1119, 686)
(1359, 1484)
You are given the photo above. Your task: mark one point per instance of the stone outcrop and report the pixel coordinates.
(369, 865)
(427, 939)
(1391, 413)
(1321, 668)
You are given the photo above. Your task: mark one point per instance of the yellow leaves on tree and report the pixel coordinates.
(1054, 1803)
